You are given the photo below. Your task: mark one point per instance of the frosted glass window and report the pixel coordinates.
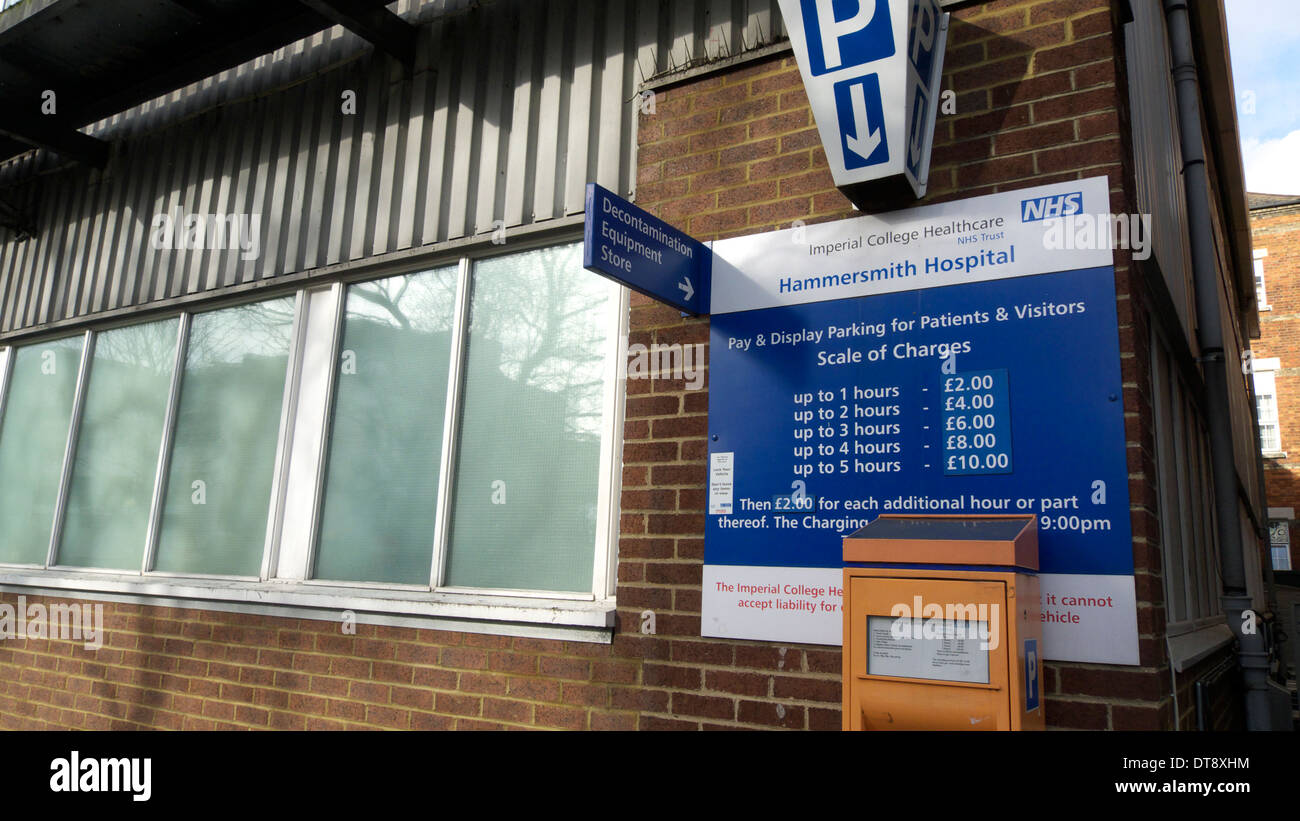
(218, 491)
(381, 486)
(117, 447)
(33, 437)
(528, 462)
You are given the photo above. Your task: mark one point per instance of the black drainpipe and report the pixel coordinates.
(1251, 651)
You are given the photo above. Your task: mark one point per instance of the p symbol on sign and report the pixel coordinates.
(923, 26)
(846, 33)
(832, 30)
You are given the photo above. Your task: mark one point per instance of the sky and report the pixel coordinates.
(1264, 40)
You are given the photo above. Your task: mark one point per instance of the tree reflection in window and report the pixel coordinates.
(218, 491)
(33, 436)
(381, 487)
(117, 447)
(528, 463)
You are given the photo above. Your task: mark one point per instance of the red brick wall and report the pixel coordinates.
(1039, 99)
(1278, 231)
(1037, 102)
(169, 668)
(1223, 697)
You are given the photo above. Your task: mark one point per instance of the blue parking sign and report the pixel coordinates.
(922, 34)
(862, 121)
(846, 33)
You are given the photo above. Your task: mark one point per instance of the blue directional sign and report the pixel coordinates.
(636, 248)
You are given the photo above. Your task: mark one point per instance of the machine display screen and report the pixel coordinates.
(936, 648)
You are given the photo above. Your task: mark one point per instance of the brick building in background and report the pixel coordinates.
(443, 157)
(1275, 231)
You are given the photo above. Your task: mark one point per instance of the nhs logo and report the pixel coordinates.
(871, 69)
(846, 33)
(1057, 205)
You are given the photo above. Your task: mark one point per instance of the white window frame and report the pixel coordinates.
(284, 586)
(1261, 295)
(1264, 375)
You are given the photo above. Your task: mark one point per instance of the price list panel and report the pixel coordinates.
(976, 423)
(971, 399)
(850, 380)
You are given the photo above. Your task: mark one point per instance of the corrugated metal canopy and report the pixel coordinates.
(509, 109)
(100, 57)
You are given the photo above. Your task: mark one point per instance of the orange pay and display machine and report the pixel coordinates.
(941, 624)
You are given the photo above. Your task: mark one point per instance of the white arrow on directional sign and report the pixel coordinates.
(863, 146)
(687, 288)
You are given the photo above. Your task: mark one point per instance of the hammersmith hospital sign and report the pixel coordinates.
(953, 358)
(945, 359)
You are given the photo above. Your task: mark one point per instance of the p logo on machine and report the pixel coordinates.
(872, 70)
(1031, 675)
(860, 109)
(846, 33)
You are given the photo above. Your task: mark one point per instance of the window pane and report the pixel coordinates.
(528, 463)
(33, 436)
(117, 447)
(223, 454)
(381, 489)
(1269, 441)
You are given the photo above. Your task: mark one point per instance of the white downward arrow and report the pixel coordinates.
(687, 288)
(864, 147)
